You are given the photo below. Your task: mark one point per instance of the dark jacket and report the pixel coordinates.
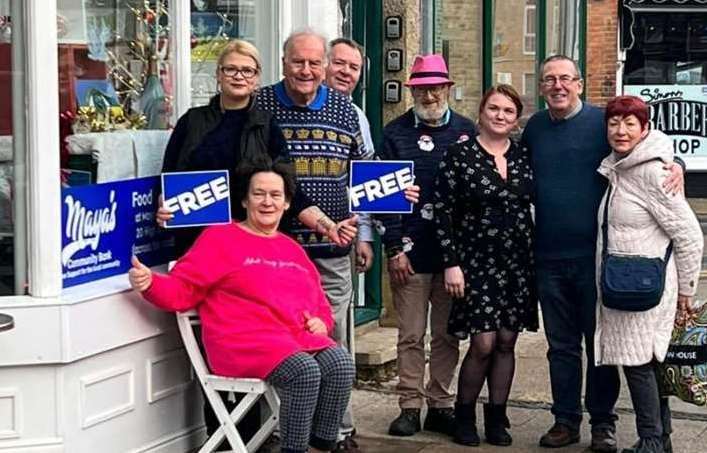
(194, 125)
(404, 140)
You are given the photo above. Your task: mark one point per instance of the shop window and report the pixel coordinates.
(114, 76)
(214, 23)
(529, 25)
(12, 251)
(665, 48)
(529, 84)
(562, 35)
(513, 27)
(457, 36)
(116, 110)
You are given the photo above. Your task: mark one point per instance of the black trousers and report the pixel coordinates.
(653, 417)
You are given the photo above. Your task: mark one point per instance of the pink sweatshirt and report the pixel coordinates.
(253, 294)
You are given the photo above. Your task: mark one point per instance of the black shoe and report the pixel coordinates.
(646, 445)
(440, 420)
(604, 439)
(465, 425)
(667, 444)
(407, 423)
(495, 424)
(348, 445)
(560, 435)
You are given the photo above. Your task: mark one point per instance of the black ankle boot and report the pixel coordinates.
(465, 425)
(667, 444)
(495, 424)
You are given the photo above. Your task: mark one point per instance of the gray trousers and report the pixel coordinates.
(336, 281)
(652, 412)
(314, 391)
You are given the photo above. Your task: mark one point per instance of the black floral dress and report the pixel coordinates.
(484, 225)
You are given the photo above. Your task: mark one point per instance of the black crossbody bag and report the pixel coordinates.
(630, 283)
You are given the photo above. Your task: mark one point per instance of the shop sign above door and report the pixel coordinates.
(681, 112)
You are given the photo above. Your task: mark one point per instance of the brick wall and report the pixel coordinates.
(602, 22)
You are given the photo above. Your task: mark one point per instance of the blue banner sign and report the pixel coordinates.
(102, 225)
(378, 186)
(197, 198)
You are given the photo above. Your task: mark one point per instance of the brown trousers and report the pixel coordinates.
(411, 303)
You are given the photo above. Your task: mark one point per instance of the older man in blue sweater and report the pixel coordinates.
(567, 142)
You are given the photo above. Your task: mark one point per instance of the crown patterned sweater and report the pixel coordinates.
(321, 140)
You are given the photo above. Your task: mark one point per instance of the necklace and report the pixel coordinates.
(496, 151)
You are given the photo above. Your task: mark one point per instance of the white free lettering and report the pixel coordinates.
(200, 197)
(382, 186)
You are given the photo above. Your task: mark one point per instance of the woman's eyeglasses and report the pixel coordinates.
(232, 71)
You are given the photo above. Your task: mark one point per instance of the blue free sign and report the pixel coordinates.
(378, 186)
(197, 198)
(102, 225)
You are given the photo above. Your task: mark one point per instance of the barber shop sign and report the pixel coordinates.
(681, 112)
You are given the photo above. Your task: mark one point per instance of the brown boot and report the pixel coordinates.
(560, 435)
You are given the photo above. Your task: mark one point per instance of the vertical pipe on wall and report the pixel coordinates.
(44, 186)
(19, 201)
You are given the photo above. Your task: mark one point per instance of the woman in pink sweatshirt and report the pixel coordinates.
(263, 312)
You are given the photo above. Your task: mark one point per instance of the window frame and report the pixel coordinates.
(526, 24)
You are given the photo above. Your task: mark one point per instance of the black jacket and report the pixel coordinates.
(260, 136)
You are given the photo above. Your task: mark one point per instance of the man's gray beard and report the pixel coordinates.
(431, 114)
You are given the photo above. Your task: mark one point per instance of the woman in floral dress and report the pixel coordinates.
(482, 210)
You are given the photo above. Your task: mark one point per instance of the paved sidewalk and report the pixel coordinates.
(374, 410)
(375, 406)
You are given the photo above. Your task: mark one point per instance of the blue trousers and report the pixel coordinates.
(568, 297)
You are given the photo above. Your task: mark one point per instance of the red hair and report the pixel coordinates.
(624, 106)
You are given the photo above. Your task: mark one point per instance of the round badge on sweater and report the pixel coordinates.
(425, 143)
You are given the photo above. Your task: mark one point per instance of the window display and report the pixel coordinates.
(115, 88)
(213, 24)
(13, 272)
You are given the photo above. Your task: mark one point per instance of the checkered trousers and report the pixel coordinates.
(314, 391)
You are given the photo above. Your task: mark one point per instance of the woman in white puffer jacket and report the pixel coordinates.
(642, 220)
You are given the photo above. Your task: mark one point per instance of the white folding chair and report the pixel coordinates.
(253, 389)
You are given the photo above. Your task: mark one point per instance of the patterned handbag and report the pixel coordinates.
(684, 371)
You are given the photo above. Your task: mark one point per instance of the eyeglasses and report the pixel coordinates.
(434, 90)
(564, 80)
(232, 71)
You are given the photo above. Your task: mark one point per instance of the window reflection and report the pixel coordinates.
(514, 46)
(114, 76)
(7, 284)
(213, 24)
(665, 48)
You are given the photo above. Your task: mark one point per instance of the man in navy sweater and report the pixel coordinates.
(567, 142)
(422, 135)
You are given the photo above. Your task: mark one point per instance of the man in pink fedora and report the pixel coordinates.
(422, 135)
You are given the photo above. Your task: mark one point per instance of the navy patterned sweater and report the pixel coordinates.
(321, 140)
(404, 138)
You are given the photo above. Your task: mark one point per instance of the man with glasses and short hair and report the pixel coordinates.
(567, 142)
(422, 134)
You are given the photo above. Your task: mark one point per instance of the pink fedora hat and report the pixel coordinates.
(428, 70)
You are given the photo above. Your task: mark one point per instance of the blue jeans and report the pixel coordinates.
(568, 297)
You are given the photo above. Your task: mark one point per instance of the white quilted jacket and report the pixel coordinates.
(642, 220)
